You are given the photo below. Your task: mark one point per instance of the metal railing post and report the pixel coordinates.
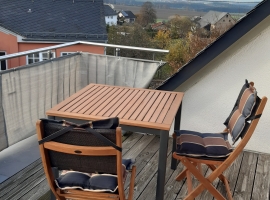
(117, 51)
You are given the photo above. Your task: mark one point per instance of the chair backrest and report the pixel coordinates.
(80, 138)
(88, 148)
(237, 121)
(250, 124)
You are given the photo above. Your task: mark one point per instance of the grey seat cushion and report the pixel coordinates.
(202, 145)
(243, 107)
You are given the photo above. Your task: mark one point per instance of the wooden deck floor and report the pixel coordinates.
(249, 175)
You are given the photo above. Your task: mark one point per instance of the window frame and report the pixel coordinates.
(5, 53)
(66, 52)
(39, 58)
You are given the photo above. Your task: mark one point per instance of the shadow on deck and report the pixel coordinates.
(249, 175)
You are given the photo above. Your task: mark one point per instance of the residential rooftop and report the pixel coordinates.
(58, 20)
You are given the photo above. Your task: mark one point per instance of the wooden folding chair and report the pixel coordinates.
(68, 146)
(194, 149)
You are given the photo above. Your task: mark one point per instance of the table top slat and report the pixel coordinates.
(90, 100)
(153, 107)
(148, 106)
(133, 105)
(119, 105)
(159, 108)
(112, 92)
(139, 107)
(72, 97)
(129, 104)
(121, 121)
(113, 103)
(80, 99)
(173, 110)
(165, 109)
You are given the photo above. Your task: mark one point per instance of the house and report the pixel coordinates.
(26, 25)
(159, 26)
(216, 20)
(110, 15)
(212, 80)
(126, 16)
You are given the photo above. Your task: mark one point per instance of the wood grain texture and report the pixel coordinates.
(243, 189)
(30, 183)
(135, 107)
(232, 174)
(262, 178)
(147, 173)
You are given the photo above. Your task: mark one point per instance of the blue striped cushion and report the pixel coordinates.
(195, 144)
(243, 107)
(92, 182)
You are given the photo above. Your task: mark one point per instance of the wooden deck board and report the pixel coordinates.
(246, 175)
(262, 180)
(249, 175)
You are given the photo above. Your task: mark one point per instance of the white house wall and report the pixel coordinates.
(211, 93)
(111, 20)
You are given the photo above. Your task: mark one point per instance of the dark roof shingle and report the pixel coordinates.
(128, 14)
(55, 20)
(211, 17)
(109, 11)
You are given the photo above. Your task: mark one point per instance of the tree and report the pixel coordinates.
(180, 26)
(178, 55)
(162, 38)
(147, 14)
(130, 36)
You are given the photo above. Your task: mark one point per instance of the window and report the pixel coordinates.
(37, 57)
(3, 63)
(111, 17)
(66, 53)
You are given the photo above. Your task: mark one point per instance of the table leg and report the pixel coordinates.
(163, 148)
(176, 127)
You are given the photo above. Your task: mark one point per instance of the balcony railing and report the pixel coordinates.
(28, 91)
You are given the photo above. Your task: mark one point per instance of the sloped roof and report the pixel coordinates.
(109, 11)
(244, 25)
(58, 20)
(128, 14)
(211, 17)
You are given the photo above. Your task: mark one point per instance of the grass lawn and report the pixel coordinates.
(161, 20)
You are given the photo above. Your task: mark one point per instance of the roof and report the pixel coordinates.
(254, 17)
(211, 17)
(58, 20)
(108, 11)
(158, 26)
(128, 14)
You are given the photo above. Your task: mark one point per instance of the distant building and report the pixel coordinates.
(27, 25)
(110, 15)
(216, 20)
(126, 16)
(159, 26)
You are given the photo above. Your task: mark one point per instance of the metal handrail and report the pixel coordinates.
(24, 53)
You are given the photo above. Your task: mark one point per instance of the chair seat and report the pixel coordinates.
(92, 182)
(202, 145)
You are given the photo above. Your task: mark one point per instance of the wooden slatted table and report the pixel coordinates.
(139, 110)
